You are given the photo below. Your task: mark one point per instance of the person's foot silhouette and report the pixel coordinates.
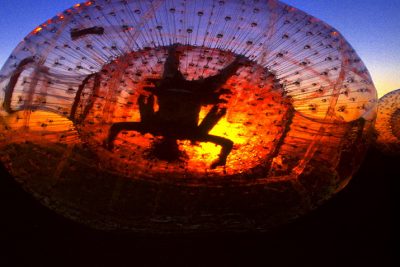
(218, 162)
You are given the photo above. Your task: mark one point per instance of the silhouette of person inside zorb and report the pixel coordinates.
(180, 102)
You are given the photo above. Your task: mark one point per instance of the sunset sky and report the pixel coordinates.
(371, 26)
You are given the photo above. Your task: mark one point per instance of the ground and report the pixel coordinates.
(355, 228)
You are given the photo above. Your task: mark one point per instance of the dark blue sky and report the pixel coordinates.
(371, 26)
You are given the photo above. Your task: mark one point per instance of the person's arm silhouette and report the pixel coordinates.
(170, 73)
(171, 65)
(216, 81)
(146, 108)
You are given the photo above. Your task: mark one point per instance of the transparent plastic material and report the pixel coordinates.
(387, 124)
(171, 116)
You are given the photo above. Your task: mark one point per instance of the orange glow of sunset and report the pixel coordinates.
(40, 125)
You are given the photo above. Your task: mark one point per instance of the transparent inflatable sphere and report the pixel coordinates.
(166, 116)
(387, 124)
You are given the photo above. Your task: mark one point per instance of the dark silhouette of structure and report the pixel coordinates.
(180, 102)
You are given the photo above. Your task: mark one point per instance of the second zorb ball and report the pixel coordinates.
(388, 123)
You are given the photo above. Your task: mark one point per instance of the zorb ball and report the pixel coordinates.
(387, 124)
(184, 116)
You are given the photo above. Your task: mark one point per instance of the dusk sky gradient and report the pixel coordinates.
(372, 27)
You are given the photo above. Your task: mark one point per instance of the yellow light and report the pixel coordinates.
(37, 30)
(38, 121)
